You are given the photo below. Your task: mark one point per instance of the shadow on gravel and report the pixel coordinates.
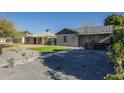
(82, 64)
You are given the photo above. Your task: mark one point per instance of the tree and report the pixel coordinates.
(114, 19)
(7, 28)
(19, 34)
(116, 50)
(26, 32)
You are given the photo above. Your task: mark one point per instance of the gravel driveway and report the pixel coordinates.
(81, 64)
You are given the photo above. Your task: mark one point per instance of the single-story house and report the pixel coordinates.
(81, 36)
(44, 38)
(4, 40)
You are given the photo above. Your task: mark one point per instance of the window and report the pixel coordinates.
(28, 39)
(91, 38)
(65, 39)
(8, 40)
(73, 37)
(106, 29)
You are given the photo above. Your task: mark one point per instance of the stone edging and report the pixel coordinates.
(33, 58)
(51, 54)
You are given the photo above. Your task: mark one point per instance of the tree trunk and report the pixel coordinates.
(0, 49)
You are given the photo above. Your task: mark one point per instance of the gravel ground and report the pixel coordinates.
(81, 64)
(19, 55)
(76, 64)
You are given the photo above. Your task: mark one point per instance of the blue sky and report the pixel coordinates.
(37, 22)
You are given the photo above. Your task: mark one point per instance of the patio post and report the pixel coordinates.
(0, 49)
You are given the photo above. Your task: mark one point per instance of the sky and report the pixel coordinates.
(37, 22)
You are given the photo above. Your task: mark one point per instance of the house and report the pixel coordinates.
(44, 38)
(5, 40)
(81, 36)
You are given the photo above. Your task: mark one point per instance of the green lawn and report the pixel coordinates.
(50, 49)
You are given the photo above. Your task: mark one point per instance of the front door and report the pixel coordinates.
(82, 40)
(35, 41)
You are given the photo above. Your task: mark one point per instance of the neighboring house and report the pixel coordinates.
(4, 40)
(44, 38)
(83, 35)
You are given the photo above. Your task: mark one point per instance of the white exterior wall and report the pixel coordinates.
(4, 40)
(23, 40)
(72, 40)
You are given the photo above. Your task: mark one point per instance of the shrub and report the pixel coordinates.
(116, 55)
(24, 54)
(11, 62)
(114, 77)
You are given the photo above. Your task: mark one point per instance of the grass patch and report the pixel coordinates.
(50, 49)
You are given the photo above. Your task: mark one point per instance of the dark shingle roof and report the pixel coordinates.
(88, 30)
(67, 31)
